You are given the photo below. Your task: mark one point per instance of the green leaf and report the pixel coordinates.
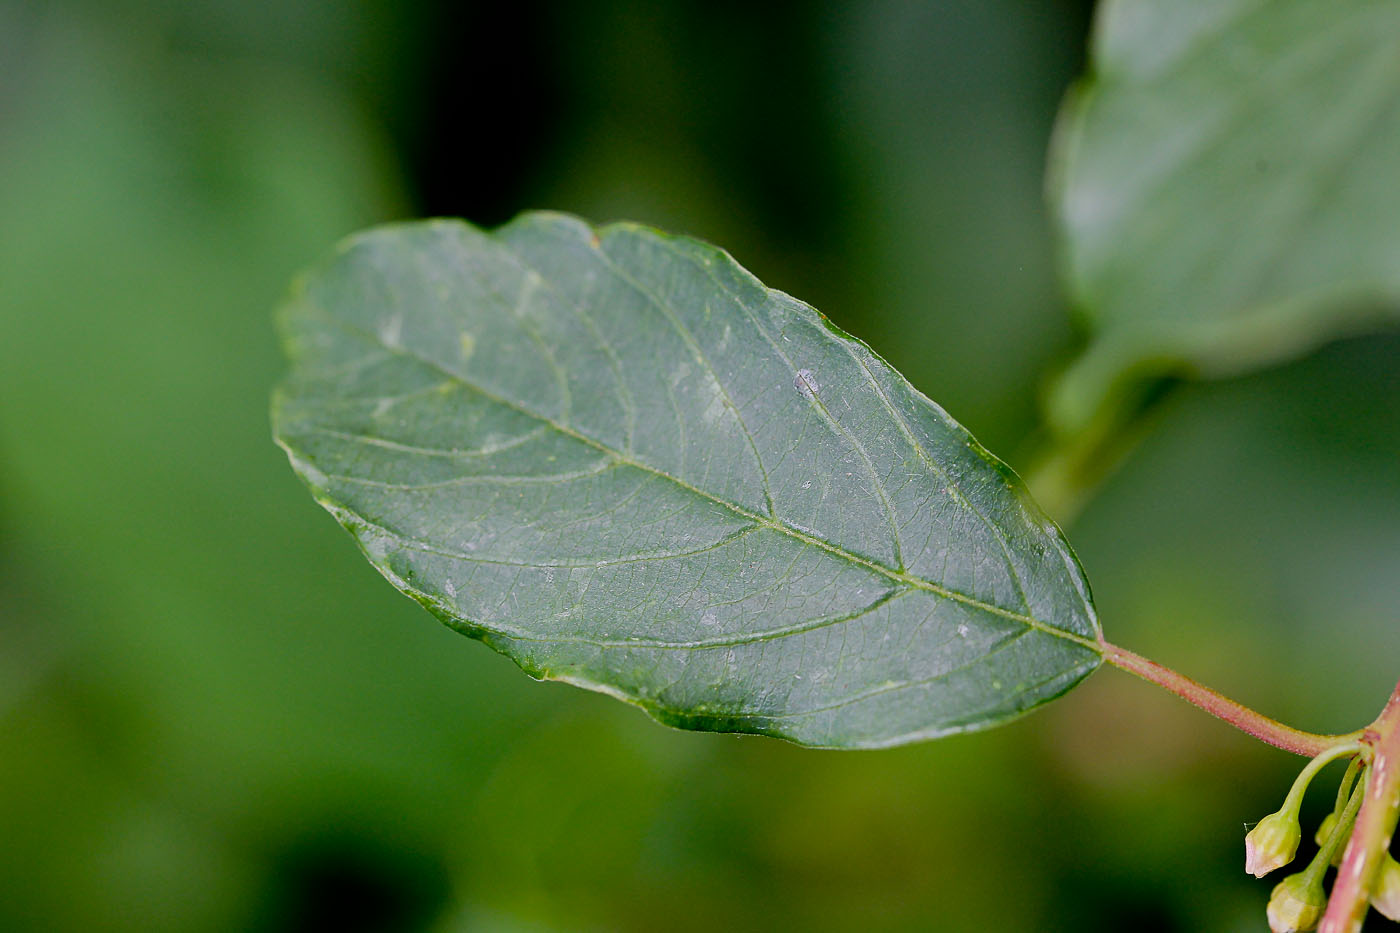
(619, 459)
(1226, 184)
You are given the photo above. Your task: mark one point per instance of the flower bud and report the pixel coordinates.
(1324, 832)
(1325, 828)
(1386, 895)
(1272, 844)
(1297, 904)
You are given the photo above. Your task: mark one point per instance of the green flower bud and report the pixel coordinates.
(1325, 828)
(1297, 904)
(1273, 843)
(1324, 832)
(1386, 896)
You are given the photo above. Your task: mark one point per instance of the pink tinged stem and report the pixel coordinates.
(1375, 823)
(1241, 717)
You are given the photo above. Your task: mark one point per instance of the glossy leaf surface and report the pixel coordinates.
(1226, 184)
(619, 459)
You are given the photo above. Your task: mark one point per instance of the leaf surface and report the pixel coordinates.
(619, 459)
(1227, 184)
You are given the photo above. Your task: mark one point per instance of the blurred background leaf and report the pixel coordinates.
(213, 716)
(1226, 185)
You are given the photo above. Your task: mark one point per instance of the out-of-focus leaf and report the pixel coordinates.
(618, 458)
(1226, 184)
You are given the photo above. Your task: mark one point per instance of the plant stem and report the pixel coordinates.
(1065, 471)
(1236, 714)
(1344, 788)
(1317, 868)
(1375, 823)
(1300, 785)
(1091, 426)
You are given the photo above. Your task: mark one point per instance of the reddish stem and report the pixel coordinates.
(1241, 717)
(1375, 822)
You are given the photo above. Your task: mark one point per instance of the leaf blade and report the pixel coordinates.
(624, 462)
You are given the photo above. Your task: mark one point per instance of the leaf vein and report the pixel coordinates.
(704, 361)
(768, 521)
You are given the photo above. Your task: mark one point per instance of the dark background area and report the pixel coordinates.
(214, 715)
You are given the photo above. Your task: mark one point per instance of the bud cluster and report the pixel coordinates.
(1299, 900)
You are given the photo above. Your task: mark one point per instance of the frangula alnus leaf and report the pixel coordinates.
(619, 459)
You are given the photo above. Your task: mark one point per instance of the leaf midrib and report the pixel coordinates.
(757, 518)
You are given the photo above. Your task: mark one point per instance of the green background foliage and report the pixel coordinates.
(214, 716)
